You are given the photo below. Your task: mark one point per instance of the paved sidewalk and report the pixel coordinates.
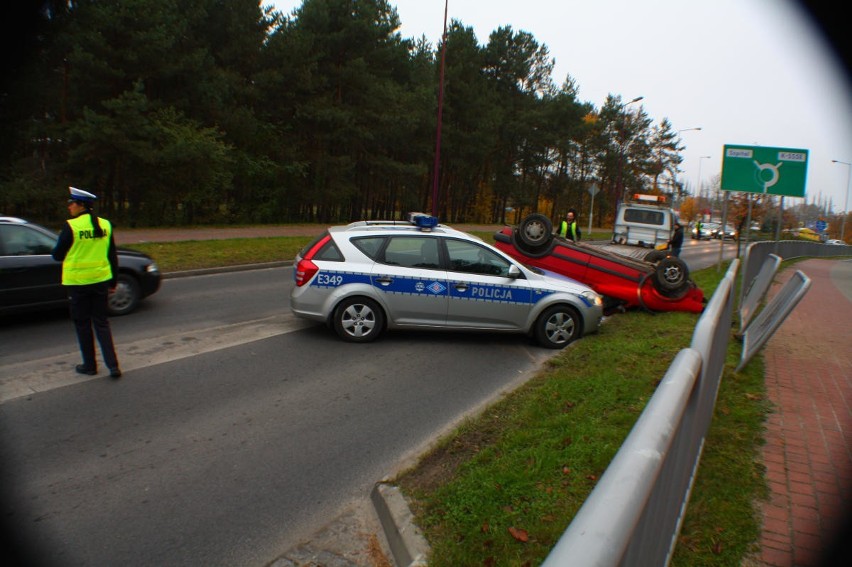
(808, 451)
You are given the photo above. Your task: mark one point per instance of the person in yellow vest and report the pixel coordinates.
(569, 228)
(86, 248)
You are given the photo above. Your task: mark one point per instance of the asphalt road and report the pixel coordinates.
(236, 432)
(701, 254)
(222, 444)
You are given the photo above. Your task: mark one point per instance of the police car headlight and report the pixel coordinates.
(592, 298)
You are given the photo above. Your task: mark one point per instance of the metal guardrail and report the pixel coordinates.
(636, 483)
(757, 252)
(650, 479)
(756, 290)
(768, 321)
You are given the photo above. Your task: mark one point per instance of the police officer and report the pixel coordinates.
(86, 249)
(569, 228)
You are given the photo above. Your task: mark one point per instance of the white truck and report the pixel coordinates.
(645, 221)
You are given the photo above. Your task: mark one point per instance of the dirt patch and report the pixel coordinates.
(440, 465)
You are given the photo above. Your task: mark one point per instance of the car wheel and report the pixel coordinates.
(532, 251)
(557, 326)
(126, 296)
(358, 320)
(671, 275)
(535, 231)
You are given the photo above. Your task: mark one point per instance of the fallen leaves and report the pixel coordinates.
(519, 534)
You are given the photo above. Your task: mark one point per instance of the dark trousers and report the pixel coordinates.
(89, 311)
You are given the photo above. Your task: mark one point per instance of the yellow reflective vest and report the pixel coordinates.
(87, 261)
(568, 231)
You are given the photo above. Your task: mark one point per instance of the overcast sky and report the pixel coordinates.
(751, 72)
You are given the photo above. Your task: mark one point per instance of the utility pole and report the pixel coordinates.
(437, 165)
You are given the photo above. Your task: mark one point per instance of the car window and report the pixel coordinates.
(370, 245)
(644, 216)
(329, 252)
(472, 258)
(19, 240)
(412, 252)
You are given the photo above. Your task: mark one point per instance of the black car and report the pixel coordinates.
(31, 279)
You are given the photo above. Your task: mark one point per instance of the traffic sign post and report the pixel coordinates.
(593, 190)
(768, 171)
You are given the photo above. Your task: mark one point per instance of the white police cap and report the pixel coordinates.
(82, 196)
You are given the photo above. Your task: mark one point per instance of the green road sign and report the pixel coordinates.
(773, 171)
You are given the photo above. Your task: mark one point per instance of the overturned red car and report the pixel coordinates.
(653, 280)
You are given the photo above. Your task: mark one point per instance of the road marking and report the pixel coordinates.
(26, 378)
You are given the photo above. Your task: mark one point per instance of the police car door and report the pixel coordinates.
(482, 295)
(411, 281)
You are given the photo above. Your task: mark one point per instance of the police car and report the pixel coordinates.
(369, 276)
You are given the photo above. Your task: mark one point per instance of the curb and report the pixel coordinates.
(407, 544)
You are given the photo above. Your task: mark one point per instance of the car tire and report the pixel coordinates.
(671, 275)
(532, 251)
(358, 320)
(535, 232)
(126, 296)
(557, 326)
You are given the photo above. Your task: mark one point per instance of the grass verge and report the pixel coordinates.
(197, 254)
(502, 489)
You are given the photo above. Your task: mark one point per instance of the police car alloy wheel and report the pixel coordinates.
(358, 320)
(557, 326)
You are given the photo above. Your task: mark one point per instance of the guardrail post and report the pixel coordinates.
(756, 290)
(768, 320)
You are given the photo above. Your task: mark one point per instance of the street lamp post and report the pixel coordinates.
(698, 186)
(623, 189)
(846, 205)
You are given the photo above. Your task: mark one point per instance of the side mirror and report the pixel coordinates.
(514, 272)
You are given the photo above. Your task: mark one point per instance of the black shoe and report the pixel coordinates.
(83, 369)
(115, 372)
